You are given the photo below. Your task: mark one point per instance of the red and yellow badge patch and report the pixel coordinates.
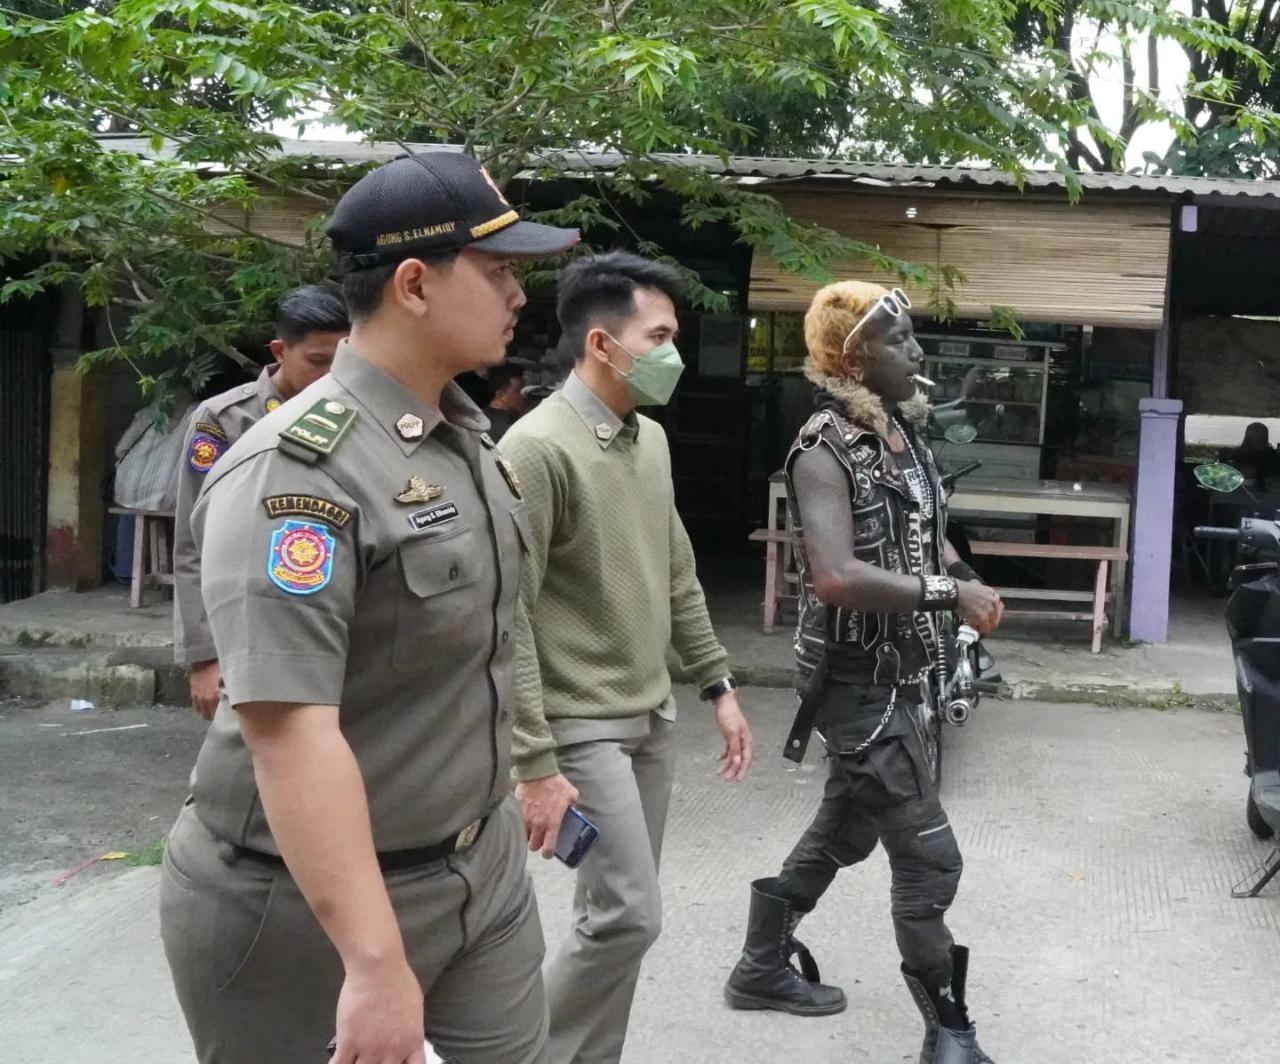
(204, 451)
(301, 557)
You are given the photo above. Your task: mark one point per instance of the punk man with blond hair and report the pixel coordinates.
(875, 571)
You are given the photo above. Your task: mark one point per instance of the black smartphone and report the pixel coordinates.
(577, 834)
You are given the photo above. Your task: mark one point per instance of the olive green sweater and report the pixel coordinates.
(609, 581)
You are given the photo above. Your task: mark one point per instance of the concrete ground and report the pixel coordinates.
(92, 645)
(1100, 847)
(81, 784)
(1041, 659)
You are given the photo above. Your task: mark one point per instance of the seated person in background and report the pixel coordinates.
(507, 404)
(1255, 457)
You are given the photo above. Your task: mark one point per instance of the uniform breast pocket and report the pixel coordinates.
(440, 576)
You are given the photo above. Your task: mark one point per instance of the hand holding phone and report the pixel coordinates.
(577, 834)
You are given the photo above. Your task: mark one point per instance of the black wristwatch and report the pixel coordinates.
(720, 687)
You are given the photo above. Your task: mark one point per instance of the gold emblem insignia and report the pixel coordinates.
(271, 404)
(493, 185)
(410, 426)
(418, 490)
(509, 475)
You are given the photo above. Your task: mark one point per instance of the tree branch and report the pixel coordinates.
(1153, 66)
(1082, 151)
(1132, 111)
(1127, 73)
(511, 104)
(1268, 29)
(144, 125)
(149, 292)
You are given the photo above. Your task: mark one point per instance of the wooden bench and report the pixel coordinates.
(1103, 556)
(778, 582)
(152, 550)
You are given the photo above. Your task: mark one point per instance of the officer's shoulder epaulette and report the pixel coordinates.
(317, 433)
(216, 404)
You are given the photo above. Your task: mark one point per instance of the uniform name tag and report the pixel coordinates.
(434, 515)
(307, 506)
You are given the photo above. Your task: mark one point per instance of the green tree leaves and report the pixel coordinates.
(198, 240)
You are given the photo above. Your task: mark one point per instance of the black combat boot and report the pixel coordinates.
(949, 1037)
(764, 977)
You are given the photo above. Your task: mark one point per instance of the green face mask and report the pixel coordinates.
(653, 375)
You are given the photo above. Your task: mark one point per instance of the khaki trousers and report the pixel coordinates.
(624, 789)
(258, 979)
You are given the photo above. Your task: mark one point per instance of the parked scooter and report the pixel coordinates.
(961, 433)
(1253, 623)
(963, 670)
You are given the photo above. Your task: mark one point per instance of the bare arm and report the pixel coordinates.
(315, 803)
(949, 555)
(839, 579)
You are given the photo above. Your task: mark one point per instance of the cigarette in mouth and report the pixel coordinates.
(922, 380)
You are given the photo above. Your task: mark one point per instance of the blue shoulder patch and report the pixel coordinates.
(301, 557)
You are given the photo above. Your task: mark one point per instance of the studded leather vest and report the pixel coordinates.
(893, 530)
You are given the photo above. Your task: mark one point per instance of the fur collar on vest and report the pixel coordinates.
(864, 408)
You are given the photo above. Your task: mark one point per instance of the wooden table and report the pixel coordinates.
(1108, 502)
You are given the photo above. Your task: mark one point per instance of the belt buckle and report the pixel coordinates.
(467, 836)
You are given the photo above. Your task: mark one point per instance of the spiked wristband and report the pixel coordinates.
(938, 593)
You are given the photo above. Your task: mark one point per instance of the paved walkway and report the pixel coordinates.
(92, 645)
(1100, 847)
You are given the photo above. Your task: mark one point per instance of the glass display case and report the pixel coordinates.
(1004, 384)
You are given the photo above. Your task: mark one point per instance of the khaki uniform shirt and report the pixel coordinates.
(382, 578)
(214, 426)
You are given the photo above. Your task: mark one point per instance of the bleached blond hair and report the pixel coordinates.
(835, 310)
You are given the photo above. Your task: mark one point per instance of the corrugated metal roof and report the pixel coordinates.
(906, 175)
(766, 170)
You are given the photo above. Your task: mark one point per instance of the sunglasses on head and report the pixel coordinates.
(894, 301)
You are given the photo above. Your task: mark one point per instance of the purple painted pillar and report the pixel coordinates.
(1153, 519)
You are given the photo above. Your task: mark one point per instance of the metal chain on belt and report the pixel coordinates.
(884, 722)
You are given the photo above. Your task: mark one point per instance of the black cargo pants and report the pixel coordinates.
(883, 794)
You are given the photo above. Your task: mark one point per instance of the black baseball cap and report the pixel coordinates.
(419, 204)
